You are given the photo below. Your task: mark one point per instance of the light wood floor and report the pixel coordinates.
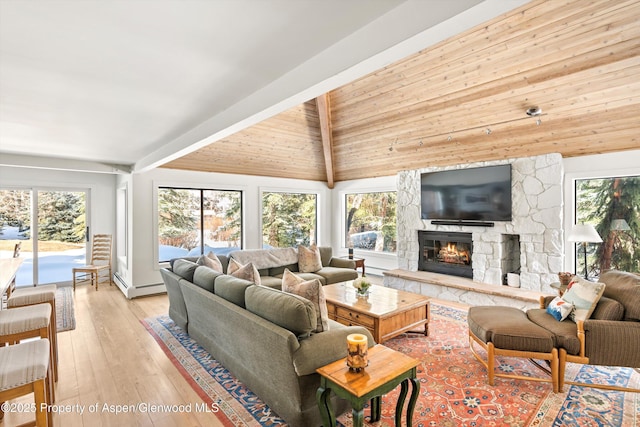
(111, 359)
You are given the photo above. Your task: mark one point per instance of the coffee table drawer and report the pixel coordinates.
(355, 317)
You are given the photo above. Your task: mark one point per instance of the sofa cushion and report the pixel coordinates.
(185, 269)
(608, 309)
(232, 289)
(559, 309)
(312, 276)
(211, 261)
(584, 295)
(279, 271)
(335, 274)
(272, 282)
(288, 311)
(309, 260)
(623, 287)
(246, 271)
(311, 290)
(205, 277)
(326, 254)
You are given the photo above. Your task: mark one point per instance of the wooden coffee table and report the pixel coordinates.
(386, 312)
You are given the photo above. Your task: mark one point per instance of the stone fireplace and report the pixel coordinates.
(531, 244)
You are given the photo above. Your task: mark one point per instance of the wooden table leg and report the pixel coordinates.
(404, 386)
(358, 417)
(412, 400)
(376, 408)
(324, 404)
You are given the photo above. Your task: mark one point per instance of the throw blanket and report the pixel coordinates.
(266, 258)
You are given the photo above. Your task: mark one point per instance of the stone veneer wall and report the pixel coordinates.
(537, 220)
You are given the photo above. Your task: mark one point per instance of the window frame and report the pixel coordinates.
(343, 218)
(159, 186)
(570, 213)
(263, 190)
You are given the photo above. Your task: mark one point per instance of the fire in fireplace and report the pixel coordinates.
(446, 252)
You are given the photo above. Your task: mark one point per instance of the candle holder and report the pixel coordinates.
(357, 352)
(350, 253)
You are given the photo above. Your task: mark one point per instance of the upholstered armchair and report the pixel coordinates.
(609, 337)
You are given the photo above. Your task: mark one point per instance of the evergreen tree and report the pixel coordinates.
(177, 224)
(600, 202)
(15, 209)
(288, 219)
(58, 213)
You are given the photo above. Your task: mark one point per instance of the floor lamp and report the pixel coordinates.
(584, 233)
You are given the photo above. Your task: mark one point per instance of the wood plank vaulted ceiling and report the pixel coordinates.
(463, 100)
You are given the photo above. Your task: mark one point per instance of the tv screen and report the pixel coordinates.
(482, 194)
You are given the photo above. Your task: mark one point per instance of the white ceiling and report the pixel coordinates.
(134, 84)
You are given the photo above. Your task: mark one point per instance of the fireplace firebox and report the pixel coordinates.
(446, 252)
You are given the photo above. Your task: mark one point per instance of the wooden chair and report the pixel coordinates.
(100, 260)
(12, 285)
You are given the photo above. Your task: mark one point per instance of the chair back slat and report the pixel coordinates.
(101, 248)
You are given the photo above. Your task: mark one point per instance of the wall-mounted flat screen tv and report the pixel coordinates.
(474, 194)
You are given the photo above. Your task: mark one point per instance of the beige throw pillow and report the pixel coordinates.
(309, 260)
(211, 260)
(311, 290)
(247, 272)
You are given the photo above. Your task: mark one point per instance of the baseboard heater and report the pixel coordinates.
(460, 222)
(118, 279)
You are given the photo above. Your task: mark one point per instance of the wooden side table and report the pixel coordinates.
(359, 263)
(386, 370)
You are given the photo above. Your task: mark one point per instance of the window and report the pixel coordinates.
(288, 219)
(50, 226)
(611, 205)
(192, 222)
(370, 221)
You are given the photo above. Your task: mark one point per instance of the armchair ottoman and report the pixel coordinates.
(506, 331)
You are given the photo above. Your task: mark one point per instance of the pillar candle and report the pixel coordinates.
(357, 352)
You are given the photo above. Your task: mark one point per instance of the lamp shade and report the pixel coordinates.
(584, 233)
(620, 225)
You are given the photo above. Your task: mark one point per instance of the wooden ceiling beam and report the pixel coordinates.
(324, 114)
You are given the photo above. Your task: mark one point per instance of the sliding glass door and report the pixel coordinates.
(51, 228)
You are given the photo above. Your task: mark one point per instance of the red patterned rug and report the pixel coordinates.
(454, 390)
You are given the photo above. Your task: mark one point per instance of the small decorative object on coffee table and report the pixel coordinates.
(362, 285)
(357, 350)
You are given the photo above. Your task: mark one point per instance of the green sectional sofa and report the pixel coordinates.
(261, 335)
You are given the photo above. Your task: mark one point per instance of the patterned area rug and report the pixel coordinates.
(454, 390)
(65, 315)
